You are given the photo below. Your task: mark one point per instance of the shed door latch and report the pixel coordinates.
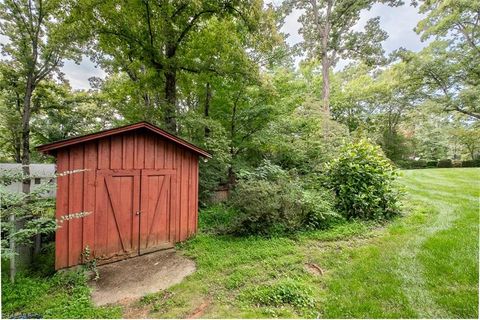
(138, 213)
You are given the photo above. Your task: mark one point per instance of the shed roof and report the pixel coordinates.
(50, 148)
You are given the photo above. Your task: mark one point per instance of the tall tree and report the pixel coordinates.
(450, 66)
(328, 33)
(447, 77)
(37, 42)
(150, 40)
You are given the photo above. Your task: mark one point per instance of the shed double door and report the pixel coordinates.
(132, 212)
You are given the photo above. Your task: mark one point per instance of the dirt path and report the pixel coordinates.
(133, 278)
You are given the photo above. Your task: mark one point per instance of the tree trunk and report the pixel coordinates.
(324, 33)
(171, 99)
(13, 250)
(231, 173)
(38, 244)
(471, 150)
(24, 251)
(26, 138)
(208, 98)
(326, 84)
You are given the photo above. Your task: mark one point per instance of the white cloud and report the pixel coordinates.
(398, 22)
(78, 74)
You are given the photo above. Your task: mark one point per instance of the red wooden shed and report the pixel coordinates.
(139, 186)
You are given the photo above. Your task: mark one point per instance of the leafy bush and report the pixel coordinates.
(65, 295)
(432, 163)
(317, 208)
(471, 163)
(363, 181)
(213, 172)
(456, 163)
(412, 164)
(444, 163)
(285, 292)
(217, 218)
(271, 201)
(303, 140)
(43, 264)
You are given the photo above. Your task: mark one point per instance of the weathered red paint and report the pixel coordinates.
(140, 187)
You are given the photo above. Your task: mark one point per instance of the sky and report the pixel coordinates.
(398, 22)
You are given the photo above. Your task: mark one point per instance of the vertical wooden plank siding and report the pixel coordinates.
(177, 164)
(61, 235)
(191, 197)
(150, 152)
(89, 196)
(160, 153)
(139, 151)
(169, 158)
(103, 153)
(101, 221)
(194, 192)
(116, 152)
(184, 195)
(177, 218)
(128, 151)
(75, 205)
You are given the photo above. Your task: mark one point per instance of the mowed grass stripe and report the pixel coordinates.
(423, 264)
(408, 259)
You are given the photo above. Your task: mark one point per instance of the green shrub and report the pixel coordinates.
(65, 295)
(444, 163)
(403, 164)
(317, 207)
(43, 264)
(432, 163)
(286, 292)
(419, 164)
(471, 163)
(412, 164)
(363, 180)
(270, 201)
(456, 163)
(217, 218)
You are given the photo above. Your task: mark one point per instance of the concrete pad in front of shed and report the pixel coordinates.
(135, 277)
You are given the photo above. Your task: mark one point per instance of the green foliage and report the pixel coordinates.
(456, 163)
(364, 182)
(34, 211)
(43, 264)
(217, 218)
(432, 163)
(469, 137)
(395, 145)
(303, 139)
(368, 272)
(64, 295)
(272, 201)
(471, 163)
(414, 164)
(448, 77)
(339, 19)
(213, 172)
(285, 292)
(445, 163)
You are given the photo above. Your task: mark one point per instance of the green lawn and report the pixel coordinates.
(421, 265)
